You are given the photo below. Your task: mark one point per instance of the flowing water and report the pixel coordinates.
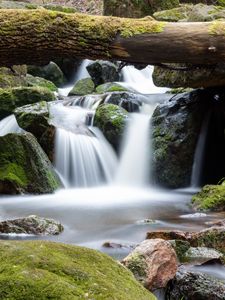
(105, 198)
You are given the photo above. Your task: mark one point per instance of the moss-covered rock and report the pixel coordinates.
(211, 197)
(111, 87)
(175, 127)
(24, 167)
(46, 270)
(12, 77)
(111, 119)
(12, 98)
(175, 14)
(41, 82)
(50, 72)
(83, 87)
(136, 8)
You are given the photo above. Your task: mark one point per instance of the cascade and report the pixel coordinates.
(9, 125)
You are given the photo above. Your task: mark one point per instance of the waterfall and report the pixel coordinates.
(141, 80)
(82, 160)
(9, 125)
(199, 153)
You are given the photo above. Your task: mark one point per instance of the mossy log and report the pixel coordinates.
(38, 36)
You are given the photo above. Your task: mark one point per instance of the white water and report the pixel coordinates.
(199, 153)
(141, 80)
(9, 125)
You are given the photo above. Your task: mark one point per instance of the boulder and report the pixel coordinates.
(200, 255)
(12, 98)
(38, 81)
(111, 119)
(103, 72)
(111, 87)
(176, 126)
(82, 87)
(153, 263)
(131, 102)
(47, 270)
(195, 286)
(31, 225)
(24, 167)
(50, 72)
(35, 118)
(210, 198)
(136, 9)
(12, 77)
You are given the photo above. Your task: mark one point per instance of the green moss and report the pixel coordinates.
(46, 270)
(40, 82)
(138, 266)
(110, 87)
(217, 28)
(211, 197)
(14, 173)
(175, 14)
(83, 87)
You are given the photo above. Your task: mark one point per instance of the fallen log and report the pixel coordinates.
(38, 36)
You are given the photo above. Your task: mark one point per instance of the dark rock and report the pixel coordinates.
(103, 72)
(116, 245)
(111, 119)
(39, 81)
(195, 286)
(128, 101)
(24, 167)
(31, 225)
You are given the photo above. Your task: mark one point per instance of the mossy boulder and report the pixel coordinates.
(46, 270)
(50, 72)
(83, 87)
(103, 71)
(210, 198)
(35, 118)
(111, 87)
(12, 98)
(12, 77)
(41, 82)
(131, 102)
(175, 128)
(175, 14)
(24, 167)
(136, 8)
(111, 119)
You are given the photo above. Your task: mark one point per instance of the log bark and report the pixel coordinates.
(38, 36)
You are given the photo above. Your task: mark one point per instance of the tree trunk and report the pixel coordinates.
(38, 36)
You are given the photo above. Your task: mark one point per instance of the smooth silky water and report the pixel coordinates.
(105, 198)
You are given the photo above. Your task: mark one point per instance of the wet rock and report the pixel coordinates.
(12, 98)
(126, 100)
(12, 77)
(210, 198)
(31, 225)
(111, 119)
(175, 128)
(103, 72)
(216, 223)
(201, 255)
(24, 167)
(136, 9)
(47, 270)
(50, 72)
(38, 81)
(195, 286)
(153, 263)
(168, 235)
(146, 221)
(111, 87)
(113, 245)
(83, 87)
(180, 247)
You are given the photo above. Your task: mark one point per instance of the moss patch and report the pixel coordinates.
(45, 270)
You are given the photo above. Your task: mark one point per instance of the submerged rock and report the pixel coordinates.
(111, 119)
(12, 98)
(102, 72)
(31, 225)
(50, 72)
(195, 286)
(176, 126)
(83, 87)
(153, 263)
(46, 270)
(210, 198)
(24, 167)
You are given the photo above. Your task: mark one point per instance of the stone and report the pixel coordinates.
(153, 263)
(50, 72)
(136, 9)
(176, 125)
(131, 102)
(113, 245)
(102, 72)
(199, 255)
(12, 98)
(83, 87)
(31, 225)
(111, 120)
(168, 235)
(38, 81)
(24, 167)
(13, 77)
(111, 87)
(47, 270)
(195, 286)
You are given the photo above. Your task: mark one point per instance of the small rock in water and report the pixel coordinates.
(216, 223)
(146, 221)
(31, 225)
(196, 215)
(202, 255)
(116, 245)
